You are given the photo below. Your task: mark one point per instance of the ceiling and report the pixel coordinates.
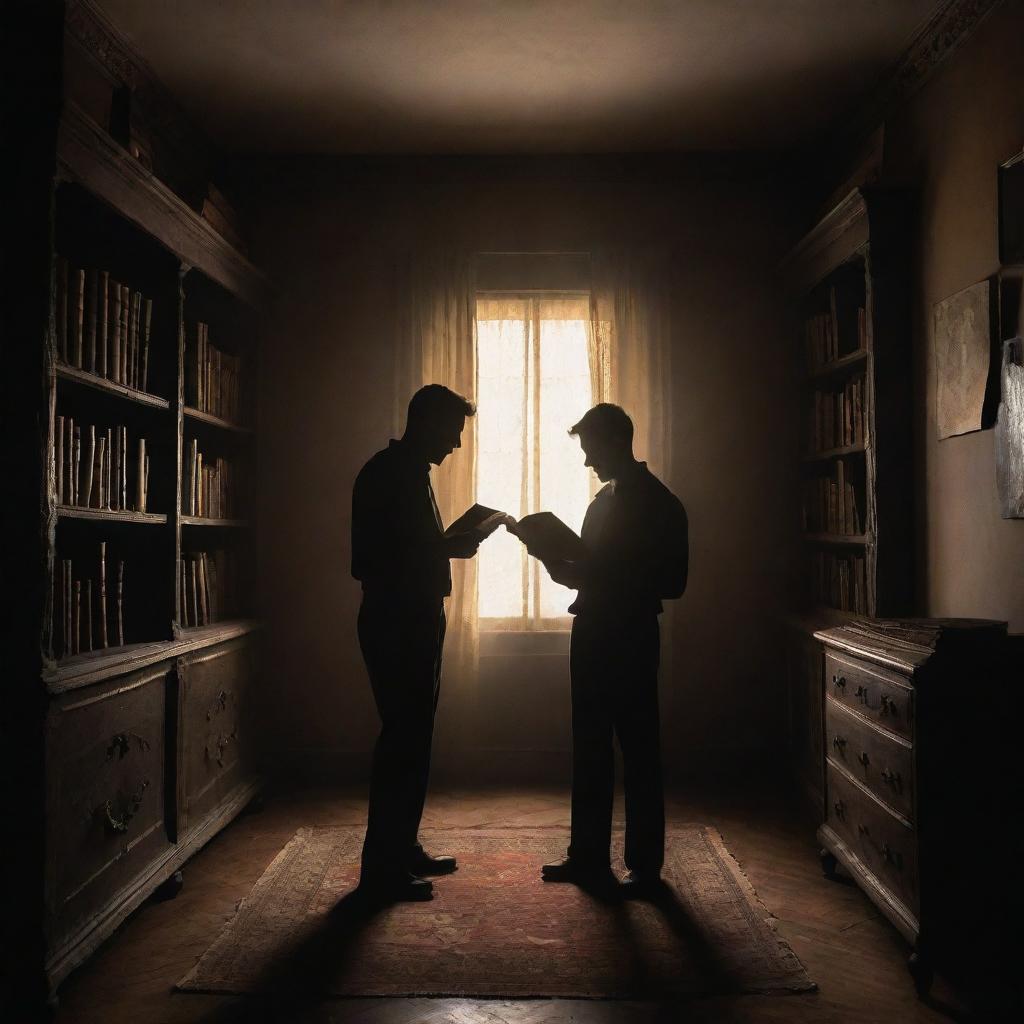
(517, 76)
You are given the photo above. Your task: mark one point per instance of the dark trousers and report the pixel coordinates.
(402, 649)
(614, 670)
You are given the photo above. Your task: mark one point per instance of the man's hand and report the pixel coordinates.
(462, 545)
(568, 574)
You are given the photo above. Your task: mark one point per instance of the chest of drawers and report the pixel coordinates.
(917, 778)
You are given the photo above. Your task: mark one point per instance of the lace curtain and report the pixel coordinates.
(437, 345)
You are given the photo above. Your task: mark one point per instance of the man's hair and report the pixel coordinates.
(607, 421)
(434, 403)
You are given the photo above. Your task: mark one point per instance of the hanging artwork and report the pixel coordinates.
(1010, 432)
(964, 382)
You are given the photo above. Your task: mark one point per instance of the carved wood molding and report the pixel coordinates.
(951, 25)
(114, 52)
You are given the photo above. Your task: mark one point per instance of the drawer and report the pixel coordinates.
(215, 727)
(881, 696)
(882, 762)
(884, 844)
(106, 757)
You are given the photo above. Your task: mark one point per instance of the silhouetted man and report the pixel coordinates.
(400, 553)
(635, 538)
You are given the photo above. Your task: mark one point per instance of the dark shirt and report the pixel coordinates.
(396, 529)
(636, 536)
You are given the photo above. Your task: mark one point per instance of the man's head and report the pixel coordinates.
(436, 418)
(606, 437)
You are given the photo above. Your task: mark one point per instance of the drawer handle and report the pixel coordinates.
(888, 705)
(863, 829)
(838, 742)
(894, 779)
(119, 823)
(863, 758)
(862, 692)
(840, 809)
(839, 681)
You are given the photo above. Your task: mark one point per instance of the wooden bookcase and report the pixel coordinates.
(146, 733)
(850, 282)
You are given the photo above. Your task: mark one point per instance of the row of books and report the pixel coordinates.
(103, 326)
(209, 586)
(213, 379)
(825, 338)
(97, 469)
(836, 418)
(88, 621)
(840, 581)
(829, 505)
(211, 489)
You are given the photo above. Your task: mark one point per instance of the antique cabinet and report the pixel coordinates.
(917, 776)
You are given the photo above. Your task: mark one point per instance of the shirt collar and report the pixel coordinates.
(403, 449)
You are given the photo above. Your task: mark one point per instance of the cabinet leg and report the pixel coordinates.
(170, 889)
(828, 864)
(922, 973)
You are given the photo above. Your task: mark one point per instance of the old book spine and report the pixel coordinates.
(182, 603)
(126, 308)
(136, 307)
(145, 344)
(115, 331)
(89, 459)
(214, 590)
(87, 625)
(201, 589)
(103, 299)
(58, 458)
(79, 314)
(109, 475)
(124, 467)
(140, 477)
(90, 334)
(103, 593)
(76, 619)
(62, 308)
(76, 480)
(120, 603)
(201, 346)
(200, 506)
(192, 590)
(98, 473)
(145, 484)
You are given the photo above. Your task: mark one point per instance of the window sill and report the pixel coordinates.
(503, 643)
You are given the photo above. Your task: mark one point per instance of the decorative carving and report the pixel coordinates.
(218, 706)
(121, 743)
(118, 823)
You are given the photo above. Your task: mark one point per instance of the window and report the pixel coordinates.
(534, 382)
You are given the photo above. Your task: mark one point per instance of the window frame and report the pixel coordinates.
(530, 624)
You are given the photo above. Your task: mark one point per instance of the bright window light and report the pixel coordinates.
(533, 384)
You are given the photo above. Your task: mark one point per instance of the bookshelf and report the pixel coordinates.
(147, 444)
(850, 292)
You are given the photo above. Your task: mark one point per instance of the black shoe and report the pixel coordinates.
(577, 873)
(642, 885)
(423, 864)
(395, 889)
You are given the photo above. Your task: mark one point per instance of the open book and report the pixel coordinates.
(545, 535)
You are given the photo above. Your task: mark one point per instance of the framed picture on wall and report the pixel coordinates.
(966, 374)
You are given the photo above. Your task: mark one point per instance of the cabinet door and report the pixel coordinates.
(106, 757)
(215, 728)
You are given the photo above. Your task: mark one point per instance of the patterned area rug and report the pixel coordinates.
(494, 929)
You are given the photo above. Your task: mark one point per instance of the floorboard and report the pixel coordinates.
(856, 958)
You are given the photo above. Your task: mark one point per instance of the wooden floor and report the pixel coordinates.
(856, 958)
